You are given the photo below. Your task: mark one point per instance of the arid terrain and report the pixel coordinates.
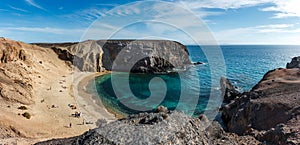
(36, 82)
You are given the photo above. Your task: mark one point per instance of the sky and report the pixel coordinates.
(186, 21)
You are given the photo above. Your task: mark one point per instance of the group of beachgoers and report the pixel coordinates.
(77, 114)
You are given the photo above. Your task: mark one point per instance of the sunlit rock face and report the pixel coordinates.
(141, 56)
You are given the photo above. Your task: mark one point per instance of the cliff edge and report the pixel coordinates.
(270, 111)
(140, 56)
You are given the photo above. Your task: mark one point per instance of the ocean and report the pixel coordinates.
(191, 91)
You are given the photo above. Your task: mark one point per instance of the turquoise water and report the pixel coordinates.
(245, 66)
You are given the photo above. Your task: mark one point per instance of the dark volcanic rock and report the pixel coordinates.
(198, 63)
(154, 128)
(58, 45)
(270, 111)
(63, 54)
(228, 90)
(295, 63)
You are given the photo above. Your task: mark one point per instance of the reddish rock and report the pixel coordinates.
(270, 111)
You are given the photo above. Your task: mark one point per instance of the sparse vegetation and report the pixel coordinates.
(26, 115)
(22, 108)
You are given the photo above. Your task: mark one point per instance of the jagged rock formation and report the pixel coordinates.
(295, 63)
(228, 90)
(11, 51)
(146, 56)
(157, 128)
(270, 111)
(15, 85)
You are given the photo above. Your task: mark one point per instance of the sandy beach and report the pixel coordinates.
(55, 87)
(91, 108)
(52, 117)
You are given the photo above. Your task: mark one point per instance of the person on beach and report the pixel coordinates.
(70, 125)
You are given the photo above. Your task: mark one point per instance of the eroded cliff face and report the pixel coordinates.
(15, 85)
(141, 56)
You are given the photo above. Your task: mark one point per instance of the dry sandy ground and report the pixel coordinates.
(55, 86)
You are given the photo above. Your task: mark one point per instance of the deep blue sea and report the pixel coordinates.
(245, 65)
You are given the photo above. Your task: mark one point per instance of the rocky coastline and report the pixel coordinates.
(268, 114)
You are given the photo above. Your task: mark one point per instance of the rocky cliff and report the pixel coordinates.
(142, 56)
(15, 85)
(162, 127)
(270, 111)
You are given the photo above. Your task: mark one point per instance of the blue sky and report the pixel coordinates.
(187, 21)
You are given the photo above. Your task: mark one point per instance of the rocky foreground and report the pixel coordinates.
(162, 127)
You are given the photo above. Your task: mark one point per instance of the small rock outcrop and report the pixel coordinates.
(198, 63)
(295, 63)
(11, 51)
(270, 111)
(228, 90)
(157, 128)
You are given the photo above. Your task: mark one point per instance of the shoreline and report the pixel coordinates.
(86, 82)
(91, 108)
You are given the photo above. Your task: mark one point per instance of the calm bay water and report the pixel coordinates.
(245, 66)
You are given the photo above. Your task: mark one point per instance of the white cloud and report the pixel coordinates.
(275, 26)
(45, 30)
(287, 28)
(221, 4)
(281, 8)
(150, 19)
(18, 9)
(262, 34)
(284, 8)
(109, 5)
(32, 3)
(41, 34)
(87, 15)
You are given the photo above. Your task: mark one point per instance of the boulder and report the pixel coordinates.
(295, 63)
